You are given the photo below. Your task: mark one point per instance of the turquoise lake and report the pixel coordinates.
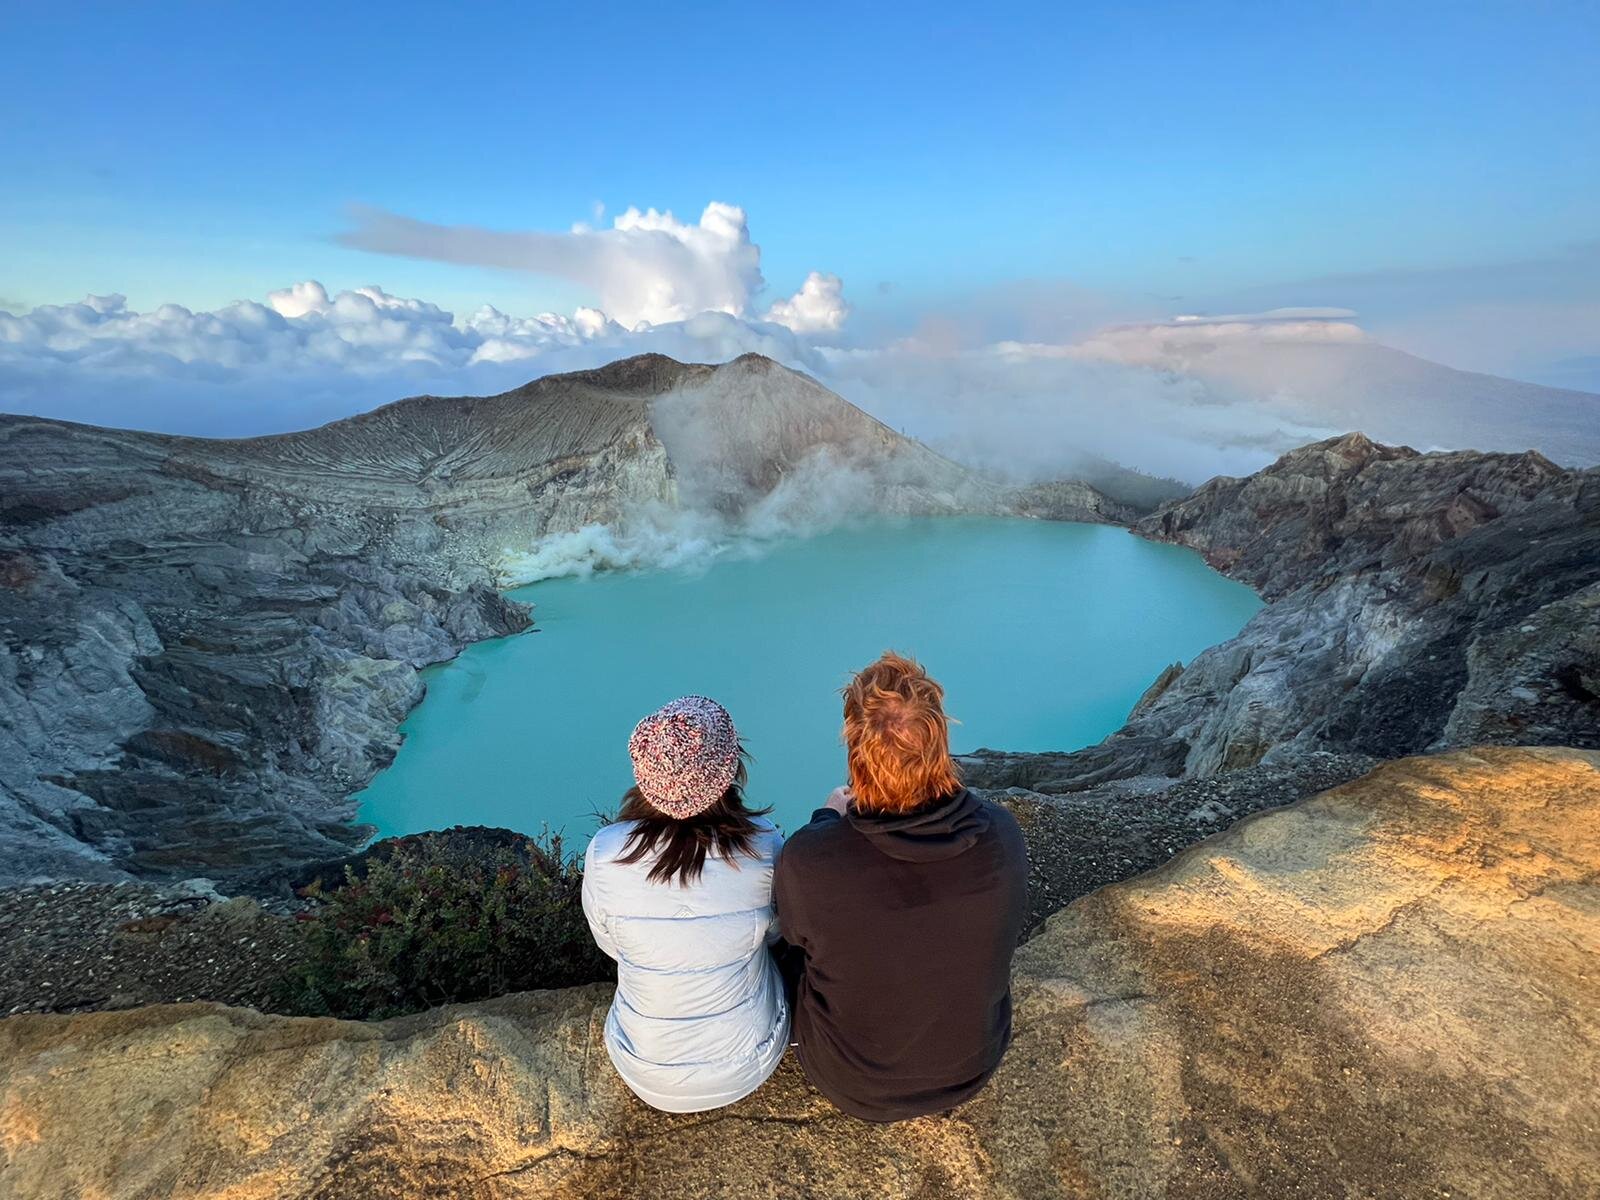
(1044, 635)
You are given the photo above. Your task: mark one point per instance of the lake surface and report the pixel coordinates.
(1044, 635)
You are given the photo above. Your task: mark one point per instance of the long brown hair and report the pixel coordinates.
(897, 737)
(727, 829)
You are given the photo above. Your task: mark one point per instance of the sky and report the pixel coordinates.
(950, 173)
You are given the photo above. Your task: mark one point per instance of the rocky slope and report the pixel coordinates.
(1415, 602)
(1383, 991)
(205, 646)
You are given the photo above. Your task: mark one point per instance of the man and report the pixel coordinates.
(903, 900)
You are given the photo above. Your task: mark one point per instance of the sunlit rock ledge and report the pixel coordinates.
(1387, 989)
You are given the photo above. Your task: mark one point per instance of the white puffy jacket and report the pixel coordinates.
(699, 1018)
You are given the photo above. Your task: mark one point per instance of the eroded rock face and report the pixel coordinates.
(1416, 602)
(206, 646)
(1386, 990)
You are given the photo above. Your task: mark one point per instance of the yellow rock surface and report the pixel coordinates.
(1391, 990)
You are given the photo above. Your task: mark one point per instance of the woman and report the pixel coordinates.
(679, 892)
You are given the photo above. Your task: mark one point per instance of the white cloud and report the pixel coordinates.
(1173, 345)
(648, 268)
(1151, 396)
(1036, 410)
(298, 299)
(818, 307)
(308, 355)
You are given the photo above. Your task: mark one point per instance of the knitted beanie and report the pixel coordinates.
(685, 755)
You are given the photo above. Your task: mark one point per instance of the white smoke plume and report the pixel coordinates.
(816, 496)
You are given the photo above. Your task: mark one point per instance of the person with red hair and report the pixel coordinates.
(901, 903)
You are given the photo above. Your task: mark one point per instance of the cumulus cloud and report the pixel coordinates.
(818, 307)
(1174, 399)
(649, 268)
(299, 327)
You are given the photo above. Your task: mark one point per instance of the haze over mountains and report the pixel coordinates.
(1350, 381)
(1188, 398)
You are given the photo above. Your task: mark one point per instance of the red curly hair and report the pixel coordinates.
(897, 738)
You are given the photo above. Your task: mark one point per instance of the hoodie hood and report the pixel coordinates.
(944, 830)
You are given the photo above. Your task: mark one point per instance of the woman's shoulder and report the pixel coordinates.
(768, 838)
(609, 841)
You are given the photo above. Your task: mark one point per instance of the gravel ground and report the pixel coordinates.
(84, 946)
(1080, 841)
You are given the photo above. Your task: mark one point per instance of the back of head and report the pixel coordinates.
(897, 737)
(688, 795)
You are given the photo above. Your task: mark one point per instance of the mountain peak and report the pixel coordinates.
(640, 374)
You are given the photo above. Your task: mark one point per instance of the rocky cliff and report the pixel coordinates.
(206, 646)
(1415, 602)
(1384, 991)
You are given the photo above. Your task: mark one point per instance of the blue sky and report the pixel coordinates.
(203, 153)
(970, 176)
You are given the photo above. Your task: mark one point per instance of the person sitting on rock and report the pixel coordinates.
(679, 892)
(901, 903)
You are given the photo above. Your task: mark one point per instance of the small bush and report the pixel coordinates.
(437, 920)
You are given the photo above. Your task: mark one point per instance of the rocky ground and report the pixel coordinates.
(83, 947)
(1384, 991)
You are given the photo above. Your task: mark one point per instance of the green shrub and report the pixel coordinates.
(435, 919)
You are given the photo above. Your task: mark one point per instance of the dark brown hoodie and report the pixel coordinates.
(907, 925)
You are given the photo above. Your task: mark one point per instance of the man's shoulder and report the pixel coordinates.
(1006, 831)
(1002, 818)
(814, 842)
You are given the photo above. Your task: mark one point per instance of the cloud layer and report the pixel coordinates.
(307, 355)
(1189, 397)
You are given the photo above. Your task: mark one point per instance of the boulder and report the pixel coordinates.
(1386, 990)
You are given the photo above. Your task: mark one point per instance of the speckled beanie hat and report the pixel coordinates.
(685, 755)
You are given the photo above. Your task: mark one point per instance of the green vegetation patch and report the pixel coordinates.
(436, 919)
